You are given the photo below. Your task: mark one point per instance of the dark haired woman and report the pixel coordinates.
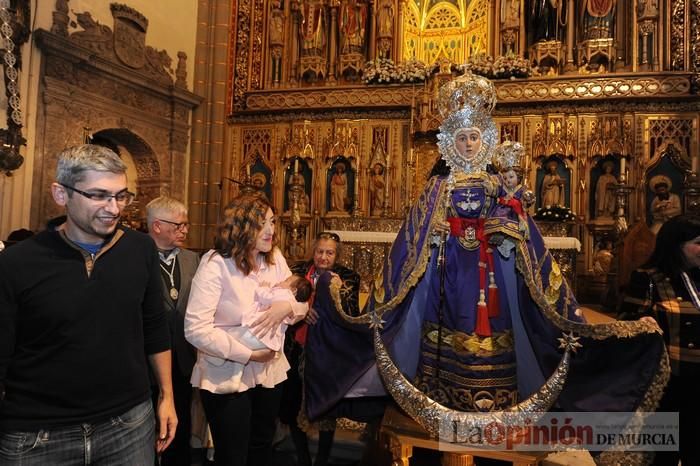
(242, 420)
(666, 288)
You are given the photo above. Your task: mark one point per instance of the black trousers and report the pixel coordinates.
(242, 425)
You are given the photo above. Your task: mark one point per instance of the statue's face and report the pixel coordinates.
(510, 178)
(468, 142)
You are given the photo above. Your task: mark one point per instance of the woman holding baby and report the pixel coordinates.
(240, 405)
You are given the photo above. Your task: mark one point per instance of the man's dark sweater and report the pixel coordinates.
(75, 332)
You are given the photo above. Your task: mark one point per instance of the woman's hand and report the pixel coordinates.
(271, 318)
(262, 355)
(311, 316)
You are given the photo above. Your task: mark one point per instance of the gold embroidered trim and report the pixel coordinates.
(470, 400)
(470, 367)
(460, 342)
(471, 382)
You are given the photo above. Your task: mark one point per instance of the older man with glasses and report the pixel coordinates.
(168, 226)
(80, 308)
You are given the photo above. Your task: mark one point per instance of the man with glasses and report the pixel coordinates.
(168, 226)
(80, 307)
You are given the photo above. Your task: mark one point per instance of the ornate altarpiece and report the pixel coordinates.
(618, 96)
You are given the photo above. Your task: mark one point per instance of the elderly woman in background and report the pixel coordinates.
(326, 251)
(666, 288)
(241, 414)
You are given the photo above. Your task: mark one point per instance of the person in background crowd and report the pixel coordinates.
(242, 421)
(666, 288)
(79, 308)
(168, 226)
(326, 250)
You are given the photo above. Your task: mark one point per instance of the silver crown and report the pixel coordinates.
(467, 102)
(507, 156)
(468, 91)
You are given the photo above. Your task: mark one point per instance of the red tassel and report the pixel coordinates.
(483, 328)
(493, 303)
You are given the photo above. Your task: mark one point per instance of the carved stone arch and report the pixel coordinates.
(85, 89)
(150, 182)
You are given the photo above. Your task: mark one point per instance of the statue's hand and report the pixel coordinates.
(529, 197)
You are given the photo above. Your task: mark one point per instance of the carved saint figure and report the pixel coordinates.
(552, 190)
(376, 190)
(546, 19)
(276, 27)
(598, 16)
(313, 29)
(385, 19)
(605, 198)
(339, 189)
(385, 28)
(353, 18)
(665, 204)
(510, 14)
(297, 179)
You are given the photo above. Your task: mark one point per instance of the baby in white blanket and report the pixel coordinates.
(295, 287)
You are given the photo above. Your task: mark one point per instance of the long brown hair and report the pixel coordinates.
(243, 219)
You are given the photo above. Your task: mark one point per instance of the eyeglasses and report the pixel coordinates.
(178, 226)
(123, 197)
(328, 235)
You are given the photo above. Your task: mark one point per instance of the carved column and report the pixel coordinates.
(372, 45)
(333, 34)
(276, 39)
(294, 40)
(648, 16)
(570, 28)
(695, 41)
(398, 46)
(208, 121)
(457, 459)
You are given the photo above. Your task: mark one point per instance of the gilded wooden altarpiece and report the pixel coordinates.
(615, 114)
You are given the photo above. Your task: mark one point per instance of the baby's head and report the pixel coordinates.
(300, 287)
(510, 177)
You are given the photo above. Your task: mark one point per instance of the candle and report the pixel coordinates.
(247, 170)
(622, 165)
(696, 163)
(296, 166)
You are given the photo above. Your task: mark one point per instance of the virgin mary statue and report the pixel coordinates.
(470, 312)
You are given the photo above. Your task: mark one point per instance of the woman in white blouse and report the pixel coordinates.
(241, 412)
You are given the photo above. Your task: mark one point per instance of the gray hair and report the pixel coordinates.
(75, 161)
(161, 205)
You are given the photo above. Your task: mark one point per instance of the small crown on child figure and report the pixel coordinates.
(507, 156)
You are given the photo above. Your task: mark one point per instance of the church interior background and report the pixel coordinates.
(328, 107)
